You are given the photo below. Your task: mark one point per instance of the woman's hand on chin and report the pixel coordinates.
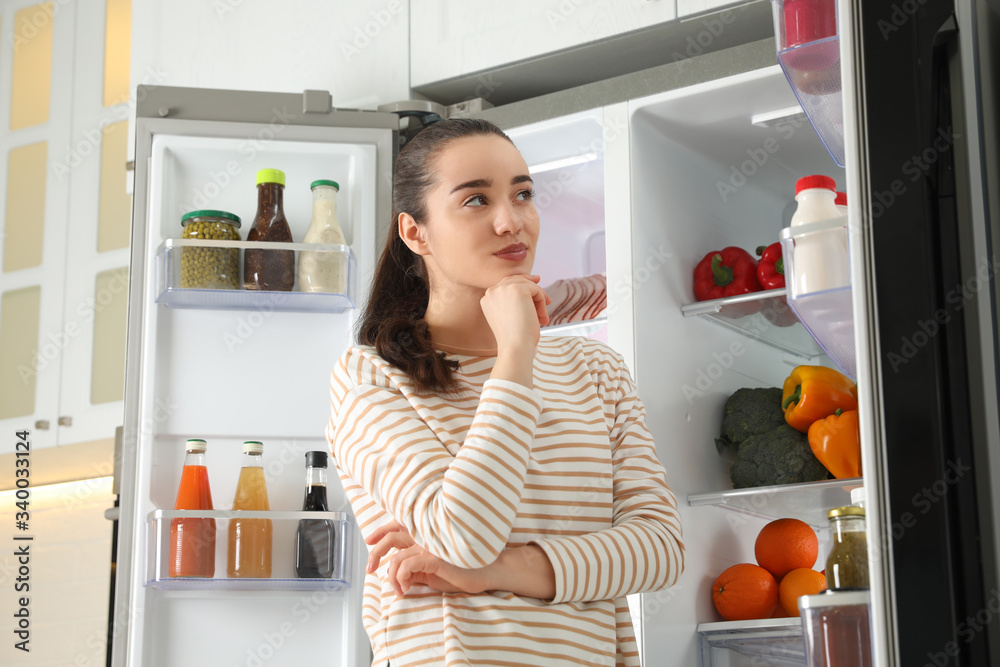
(515, 310)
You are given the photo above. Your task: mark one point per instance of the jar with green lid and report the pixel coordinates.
(210, 268)
(847, 564)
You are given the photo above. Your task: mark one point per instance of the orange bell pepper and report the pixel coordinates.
(836, 442)
(815, 392)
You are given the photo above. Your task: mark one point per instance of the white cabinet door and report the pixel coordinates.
(32, 339)
(450, 39)
(57, 311)
(91, 393)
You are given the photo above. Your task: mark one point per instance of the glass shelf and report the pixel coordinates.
(216, 284)
(763, 316)
(808, 501)
(778, 640)
(337, 561)
(585, 328)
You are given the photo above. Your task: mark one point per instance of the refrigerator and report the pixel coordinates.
(636, 178)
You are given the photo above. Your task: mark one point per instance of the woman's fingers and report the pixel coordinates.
(393, 540)
(403, 565)
(381, 532)
(541, 300)
(393, 569)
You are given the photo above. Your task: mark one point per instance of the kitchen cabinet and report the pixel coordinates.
(74, 364)
(505, 52)
(34, 269)
(453, 39)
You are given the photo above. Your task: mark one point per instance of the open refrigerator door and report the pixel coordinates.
(231, 365)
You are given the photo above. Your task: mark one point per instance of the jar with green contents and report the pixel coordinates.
(210, 268)
(847, 564)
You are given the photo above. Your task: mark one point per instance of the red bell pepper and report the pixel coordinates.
(727, 272)
(771, 269)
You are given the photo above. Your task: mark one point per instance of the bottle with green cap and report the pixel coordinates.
(272, 270)
(323, 271)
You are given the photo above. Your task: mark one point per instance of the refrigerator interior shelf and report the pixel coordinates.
(779, 640)
(763, 316)
(176, 262)
(328, 535)
(808, 501)
(583, 328)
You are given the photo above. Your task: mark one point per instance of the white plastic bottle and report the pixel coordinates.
(820, 261)
(841, 202)
(323, 271)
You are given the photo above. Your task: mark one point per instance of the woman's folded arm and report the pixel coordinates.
(460, 508)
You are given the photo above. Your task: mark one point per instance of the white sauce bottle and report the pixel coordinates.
(820, 257)
(323, 271)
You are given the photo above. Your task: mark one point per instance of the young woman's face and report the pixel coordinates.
(481, 221)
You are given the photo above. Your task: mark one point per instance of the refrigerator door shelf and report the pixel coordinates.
(809, 54)
(283, 547)
(827, 314)
(763, 316)
(173, 290)
(738, 643)
(808, 501)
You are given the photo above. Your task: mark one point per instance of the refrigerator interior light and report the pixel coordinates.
(563, 162)
(772, 118)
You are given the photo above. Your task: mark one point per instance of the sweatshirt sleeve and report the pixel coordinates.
(460, 508)
(643, 550)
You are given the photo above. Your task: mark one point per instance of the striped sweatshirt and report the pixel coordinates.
(568, 465)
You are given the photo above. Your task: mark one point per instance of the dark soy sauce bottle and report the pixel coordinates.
(315, 552)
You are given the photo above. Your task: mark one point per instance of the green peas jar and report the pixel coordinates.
(210, 268)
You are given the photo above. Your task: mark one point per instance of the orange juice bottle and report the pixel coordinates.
(250, 539)
(192, 541)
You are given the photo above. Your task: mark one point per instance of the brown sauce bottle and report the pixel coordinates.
(272, 270)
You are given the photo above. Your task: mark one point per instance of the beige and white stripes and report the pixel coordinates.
(568, 465)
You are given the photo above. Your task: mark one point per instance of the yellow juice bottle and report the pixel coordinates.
(250, 539)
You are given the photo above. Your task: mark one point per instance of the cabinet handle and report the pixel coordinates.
(65, 421)
(42, 425)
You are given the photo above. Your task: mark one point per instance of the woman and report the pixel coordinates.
(512, 479)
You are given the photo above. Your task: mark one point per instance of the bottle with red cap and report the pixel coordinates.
(820, 256)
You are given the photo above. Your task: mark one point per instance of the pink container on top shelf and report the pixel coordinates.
(809, 53)
(808, 21)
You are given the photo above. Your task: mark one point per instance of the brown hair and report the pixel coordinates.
(393, 320)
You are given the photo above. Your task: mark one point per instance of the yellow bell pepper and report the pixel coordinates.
(836, 442)
(815, 392)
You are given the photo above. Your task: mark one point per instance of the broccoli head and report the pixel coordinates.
(750, 412)
(780, 456)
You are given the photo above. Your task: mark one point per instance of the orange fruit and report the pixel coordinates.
(799, 582)
(785, 545)
(745, 591)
